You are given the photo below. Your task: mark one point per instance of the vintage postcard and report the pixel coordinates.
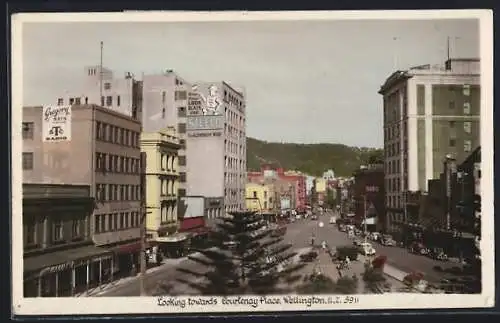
(195, 162)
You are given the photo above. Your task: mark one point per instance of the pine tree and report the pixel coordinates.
(245, 259)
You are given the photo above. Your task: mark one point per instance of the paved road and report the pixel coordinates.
(299, 233)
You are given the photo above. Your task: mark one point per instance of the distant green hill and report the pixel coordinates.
(312, 159)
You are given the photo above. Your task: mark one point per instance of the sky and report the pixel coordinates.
(306, 81)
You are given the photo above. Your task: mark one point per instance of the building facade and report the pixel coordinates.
(369, 197)
(216, 141)
(260, 198)
(161, 181)
(60, 258)
(99, 148)
(165, 104)
(99, 86)
(429, 112)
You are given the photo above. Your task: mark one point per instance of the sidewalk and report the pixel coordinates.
(122, 281)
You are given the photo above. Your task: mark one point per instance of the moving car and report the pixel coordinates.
(314, 217)
(366, 249)
(375, 236)
(333, 220)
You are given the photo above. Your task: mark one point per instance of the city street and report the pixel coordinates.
(299, 233)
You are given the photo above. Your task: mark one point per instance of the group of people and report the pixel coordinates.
(345, 264)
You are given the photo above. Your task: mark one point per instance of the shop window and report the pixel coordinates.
(57, 231)
(76, 229)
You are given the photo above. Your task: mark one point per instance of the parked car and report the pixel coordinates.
(333, 220)
(438, 254)
(388, 242)
(357, 242)
(366, 249)
(342, 228)
(418, 248)
(314, 217)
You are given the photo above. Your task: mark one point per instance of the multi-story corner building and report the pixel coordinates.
(165, 104)
(161, 183)
(94, 146)
(59, 256)
(429, 112)
(99, 86)
(216, 141)
(260, 198)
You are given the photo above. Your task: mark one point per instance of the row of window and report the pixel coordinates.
(234, 118)
(393, 184)
(72, 101)
(232, 99)
(108, 100)
(467, 144)
(234, 148)
(116, 221)
(118, 192)
(57, 228)
(117, 164)
(467, 126)
(168, 187)
(168, 213)
(233, 163)
(466, 107)
(117, 135)
(168, 162)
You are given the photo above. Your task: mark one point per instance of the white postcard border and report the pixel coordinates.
(138, 305)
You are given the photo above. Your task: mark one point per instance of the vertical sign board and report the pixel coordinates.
(56, 123)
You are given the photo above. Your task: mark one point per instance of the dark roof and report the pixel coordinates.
(61, 257)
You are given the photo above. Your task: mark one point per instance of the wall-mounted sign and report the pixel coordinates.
(205, 100)
(204, 123)
(372, 188)
(56, 123)
(205, 134)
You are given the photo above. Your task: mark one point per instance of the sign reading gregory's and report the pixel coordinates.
(56, 123)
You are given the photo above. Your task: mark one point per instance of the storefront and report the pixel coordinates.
(197, 230)
(67, 272)
(127, 258)
(174, 245)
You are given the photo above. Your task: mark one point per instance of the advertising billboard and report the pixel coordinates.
(205, 117)
(56, 123)
(194, 206)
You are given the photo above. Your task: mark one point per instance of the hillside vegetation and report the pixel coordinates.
(312, 159)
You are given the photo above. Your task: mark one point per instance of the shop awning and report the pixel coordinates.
(60, 260)
(176, 237)
(129, 247)
(189, 224)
